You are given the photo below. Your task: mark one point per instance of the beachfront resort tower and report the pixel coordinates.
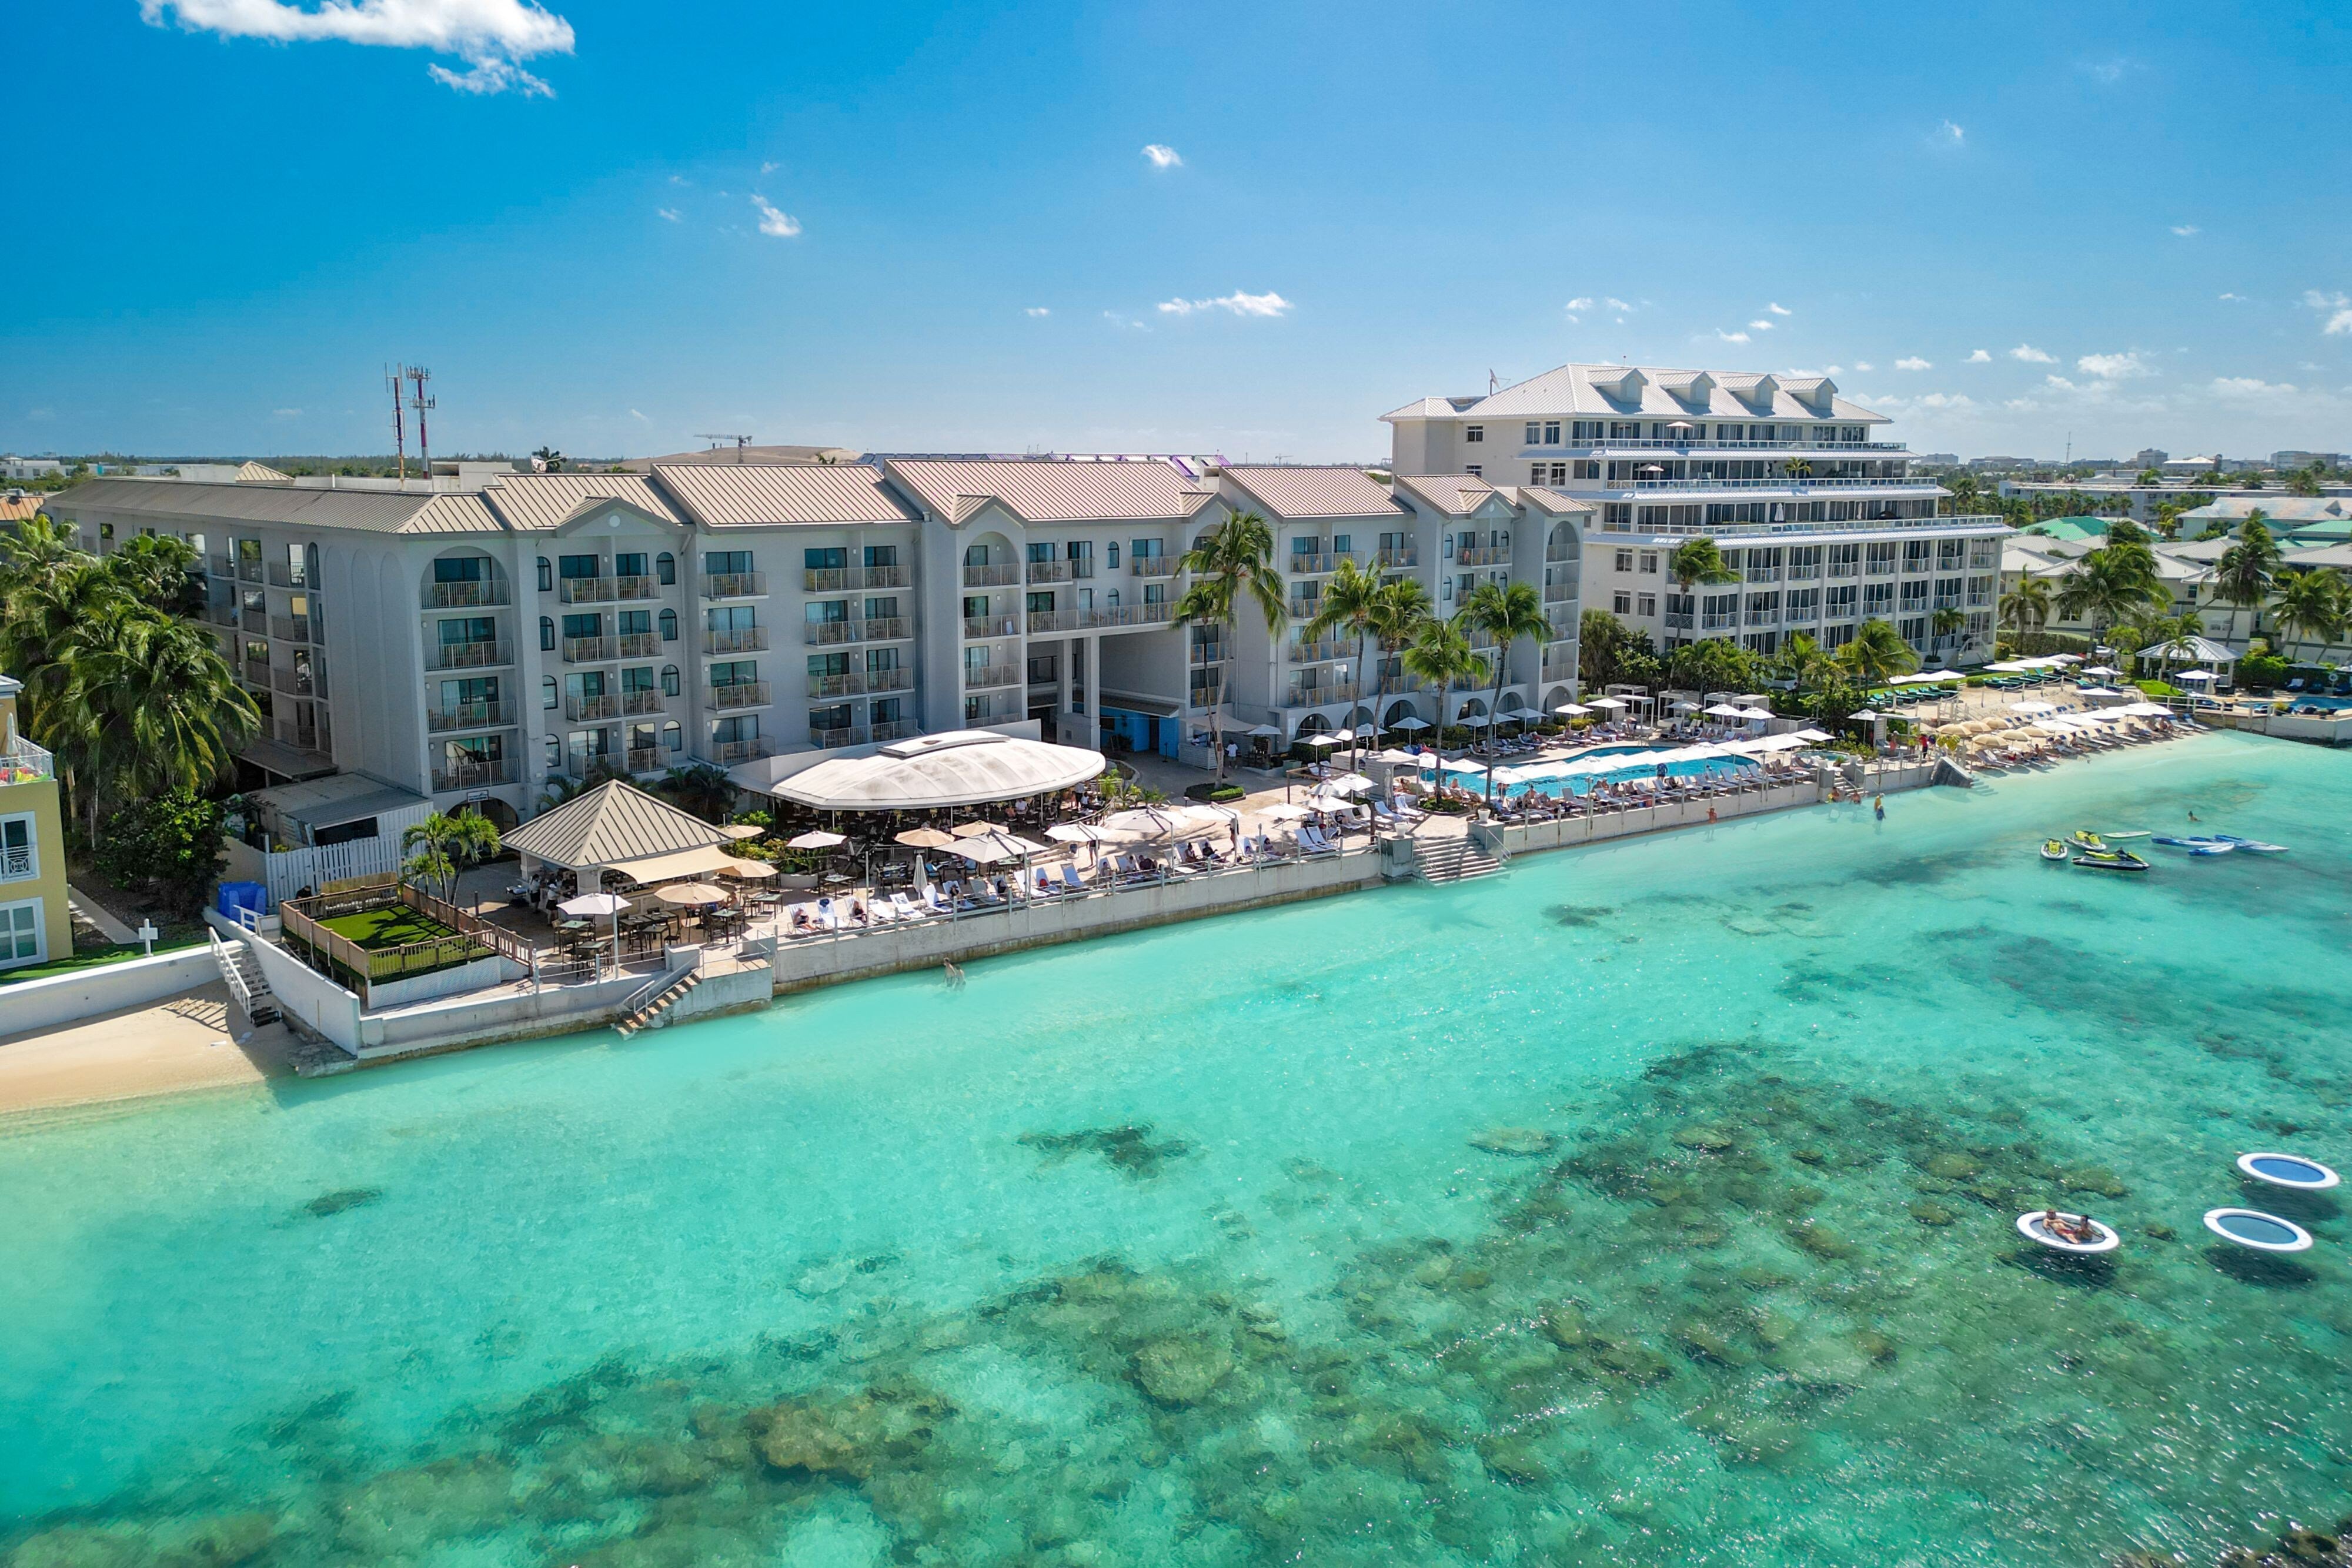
(1819, 516)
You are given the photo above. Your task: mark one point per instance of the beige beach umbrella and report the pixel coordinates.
(749, 871)
(976, 830)
(924, 839)
(815, 839)
(741, 831)
(691, 894)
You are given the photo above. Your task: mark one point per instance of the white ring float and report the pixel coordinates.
(2104, 1238)
(2309, 1175)
(2295, 1240)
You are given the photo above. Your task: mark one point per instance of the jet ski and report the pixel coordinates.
(2108, 860)
(2053, 849)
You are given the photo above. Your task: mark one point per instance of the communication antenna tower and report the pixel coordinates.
(392, 378)
(740, 441)
(420, 400)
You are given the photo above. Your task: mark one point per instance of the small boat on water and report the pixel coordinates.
(2088, 1236)
(2108, 860)
(2083, 838)
(2053, 849)
(2263, 1232)
(2290, 1171)
(2197, 846)
(2251, 846)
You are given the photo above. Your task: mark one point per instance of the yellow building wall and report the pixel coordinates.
(40, 798)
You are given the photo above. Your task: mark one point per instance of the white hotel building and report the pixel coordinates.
(474, 645)
(1823, 521)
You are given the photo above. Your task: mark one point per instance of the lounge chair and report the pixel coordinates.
(1070, 883)
(933, 903)
(903, 907)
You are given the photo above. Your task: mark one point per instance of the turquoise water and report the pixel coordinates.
(1652, 1204)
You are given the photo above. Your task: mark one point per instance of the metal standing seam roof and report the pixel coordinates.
(1050, 492)
(1333, 492)
(746, 495)
(611, 824)
(534, 503)
(363, 511)
(252, 473)
(1549, 499)
(1585, 390)
(1456, 495)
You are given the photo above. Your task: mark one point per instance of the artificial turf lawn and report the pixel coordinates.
(394, 925)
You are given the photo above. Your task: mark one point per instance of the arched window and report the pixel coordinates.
(546, 634)
(546, 576)
(670, 618)
(547, 691)
(1110, 555)
(669, 679)
(551, 751)
(673, 736)
(1114, 598)
(666, 570)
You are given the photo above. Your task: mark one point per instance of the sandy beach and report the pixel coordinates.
(167, 1048)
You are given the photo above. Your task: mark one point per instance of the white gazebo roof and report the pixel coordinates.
(2196, 650)
(960, 767)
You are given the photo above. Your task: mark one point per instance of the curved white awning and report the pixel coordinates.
(960, 767)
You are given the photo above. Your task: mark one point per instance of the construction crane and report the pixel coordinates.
(740, 441)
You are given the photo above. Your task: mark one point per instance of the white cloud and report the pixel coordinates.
(1862, 365)
(1914, 363)
(640, 418)
(1619, 306)
(1162, 156)
(494, 37)
(2339, 306)
(2185, 230)
(1949, 135)
(1780, 311)
(2338, 324)
(1979, 358)
(1731, 337)
(1946, 399)
(2032, 355)
(2250, 387)
(285, 413)
(1759, 325)
(1238, 302)
(2107, 73)
(1581, 302)
(1837, 371)
(778, 225)
(2238, 298)
(2060, 383)
(2113, 367)
(1035, 310)
(769, 168)
(672, 214)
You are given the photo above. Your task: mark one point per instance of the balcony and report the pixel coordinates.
(298, 682)
(223, 613)
(1724, 623)
(1329, 692)
(25, 763)
(291, 730)
(1318, 653)
(976, 626)
(1763, 618)
(839, 735)
(895, 680)
(1400, 556)
(292, 628)
(1000, 576)
(440, 716)
(639, 644)
(884, 629)
(598, 706)
(1763, 574)
(1799, 613)
(849, 578)
(742, 640)
(464, 595)
(587, 590)
(1805, 572)
(255, 621)
(990, 678)
(1878, 568)
(1842, 526)
(283, 574)
(1153, 614)
(894, 729)
(643, 758)
(1044, 621)
(250, 570)
(256, 673)
(1482, 555)
(1558, 669)
(851, 685)
(1558, 592)
(468, 655)
(1076, 570)
(734, 584)
(1800, 487)
(474, 775)
(590, 649)
(1153, 565)
(1678, 620)
(826, 633)
(735, 694)
(727, 752)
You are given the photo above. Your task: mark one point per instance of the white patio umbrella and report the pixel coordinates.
(815, 839)
(691, 894)
(1756, 712)
(741, 831)
(1684, 707)
(2196, 675)
(924, 839)
(1263, 732)
(1812, 736)
(1571, 710)
(1610, 702)
(1394, 756)
(1726, 710)
(1285, 812)
(1343, 737)
(2033, 707)
(590, 904)
(1350, 784)
(1320, 740)
(1076, 834)
(974, 829)
(1412, 724)
(2102, 671)
(1140, 822)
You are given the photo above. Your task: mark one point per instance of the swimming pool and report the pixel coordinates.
(1650, 1204)
(1517, 780)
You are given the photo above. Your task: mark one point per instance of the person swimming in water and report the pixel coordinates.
(955, 977)
(1878, 807)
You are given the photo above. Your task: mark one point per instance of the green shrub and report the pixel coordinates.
(168, 844)
(2261, 671)
(1215, 793)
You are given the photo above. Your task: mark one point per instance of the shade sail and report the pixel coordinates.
(665, 868)
(961, 768)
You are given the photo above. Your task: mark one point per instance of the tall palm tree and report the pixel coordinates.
(2027, 606)
(2111, 584)
(2242, 577)
(1947, 621)
(1802, 659)
(444, 845)
(157, 570)
(1440, 656)
(1398, 610)
(2313, 606)
(33, 545)
(1698, 561)
(1506, 612)
(700, 788)
(150, 707)
(1877, 653)
(1229, 564)
(1350, 603)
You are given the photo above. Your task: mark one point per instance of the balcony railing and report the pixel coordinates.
(734, 584)
(1481, 555)
(1653, 443)
(1303, 564)
(1330, 692)
(849, 578)
(1803, 572)
(838, 736)
(439, 717)
(727, 752)
(1401, 556)
(989, 677)
(1003, 575)
(1843, 525)
(256, 622)
(257, 671)
(736, 694)
(24, 763)
(298, 682)
(1318, 653)
(464, 595)
(467, 655)
(826, 634)
(883, 629)
(1558, 592)
(898, 680)
(1111, 615)
(850, 685)
(1152, 566)
(1795, 612)
(1763, 618)
(590, 650)
(598, 706)
(643, 758)
(588, 589)
(740, 640)
(222, 612)
(1044, 621)
(292, 628)
(893, 730)
(1878, 568)
(1763, 574)
(282, 574)
(474, 775)
(1072, 570)
(1719, 622)
(991, 626)
(1678, 620)
(248, 570)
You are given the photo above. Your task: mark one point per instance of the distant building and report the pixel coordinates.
(1980, 464)
(2293, 459)
(1937, 460)
(2151, 458)
(745, 455)
(29, 467)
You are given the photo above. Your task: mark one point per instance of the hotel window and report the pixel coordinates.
(673, 736)
(1110, 556)
(1551, 432)
(1840, 600)
(1474, 470)
(1617, 515)
(1474, 432)
(546, 635)
(20, 933)
(1535, 431)
(1042, 604)
(1843, 558)
(669, 679)
(547, 691)
(881, 555)
(1914, 631)
(1649, 560)
(1878, 599)
(1646, 604)
(628, 623)
(1624, 561)
(551, 753)
(666, 570)
(1585, 430)
(1914, 595)
(975, 606)
(546, 576)
(669, 625)
(575, 566)
(629, 563)
(20, 849)
(1620, 604)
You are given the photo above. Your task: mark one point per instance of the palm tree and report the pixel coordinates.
(1947, 622)
(1507, 614)
(2111, 584)
(1230, 563)
(1802, 659)
(2026, 606)
(1877, 653)
(444, 845)
(1799, 467)
(1398, 609)
(1351, 602)
(158, 569)
(702, 787)
(149, 706)
(1698, 561)
(1440, 656)
(2313, 606)
(29, 550)
(2242, 577)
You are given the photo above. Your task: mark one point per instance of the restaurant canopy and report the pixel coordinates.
(620, 827)
(960, 767)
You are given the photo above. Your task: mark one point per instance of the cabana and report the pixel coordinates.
(619, 829)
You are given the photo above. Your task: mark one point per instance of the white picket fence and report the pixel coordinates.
(288, 872)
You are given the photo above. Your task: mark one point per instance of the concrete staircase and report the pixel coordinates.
(650, 1000)
(246, 981)
(1452, 859)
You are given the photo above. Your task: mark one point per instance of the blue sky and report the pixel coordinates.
(610, 224)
